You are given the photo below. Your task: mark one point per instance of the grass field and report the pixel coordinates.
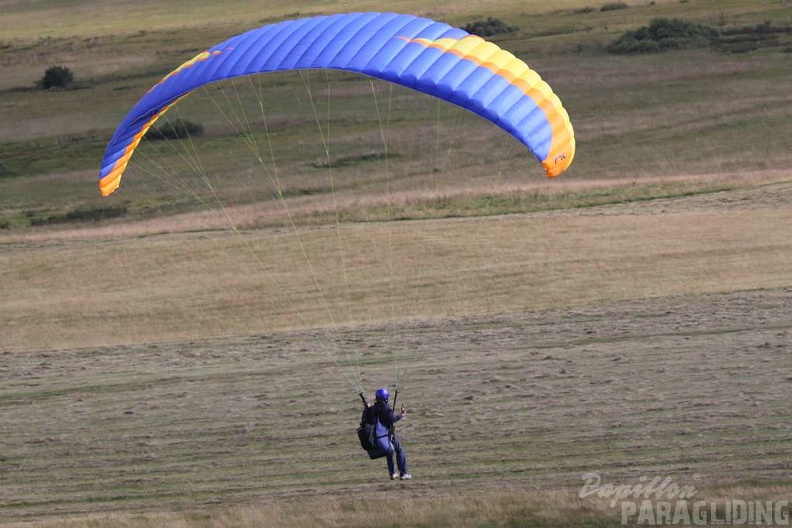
(185, 357)
(252, 430)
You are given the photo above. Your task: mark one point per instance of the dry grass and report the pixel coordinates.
(537, 508)
(451, 510)
(183, 286)
(675, 387)
(96, 17)
(465, 198)
(509, 507)
(544, 507)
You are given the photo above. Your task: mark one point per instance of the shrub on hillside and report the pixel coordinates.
(664, 34)
(5, 170)
(81, 214)
(56, 77)
(614, 6)
(178, 129)
(489, 27)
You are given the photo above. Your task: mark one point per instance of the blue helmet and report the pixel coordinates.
(382, 394)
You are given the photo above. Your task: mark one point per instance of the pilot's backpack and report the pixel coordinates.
(375, 439)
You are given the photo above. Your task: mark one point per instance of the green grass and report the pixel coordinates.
(148, 53)
(647, 131)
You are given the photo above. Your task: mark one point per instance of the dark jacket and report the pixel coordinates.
(382, 411)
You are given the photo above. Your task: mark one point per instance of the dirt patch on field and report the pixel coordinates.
(695, 388)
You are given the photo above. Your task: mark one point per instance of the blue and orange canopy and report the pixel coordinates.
(428, 56)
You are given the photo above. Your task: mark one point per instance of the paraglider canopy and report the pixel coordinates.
(419, 53)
